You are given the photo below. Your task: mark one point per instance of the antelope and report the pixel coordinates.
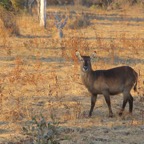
(108, 82)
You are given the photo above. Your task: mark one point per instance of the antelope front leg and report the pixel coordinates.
(93, 101)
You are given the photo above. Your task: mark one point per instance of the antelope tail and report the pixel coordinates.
(135, 87)
(136, 79)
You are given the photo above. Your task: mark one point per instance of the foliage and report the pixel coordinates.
(15, 5)
(6, 4)
(42, 132)
(18, 4)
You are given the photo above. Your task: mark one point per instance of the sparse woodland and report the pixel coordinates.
(42, 98)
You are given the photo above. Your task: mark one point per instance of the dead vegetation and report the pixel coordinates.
(39, 74)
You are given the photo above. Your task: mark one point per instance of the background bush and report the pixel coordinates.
(6, 4)
(14, 5)
(18, 4)
(80, 21)
(9, 21)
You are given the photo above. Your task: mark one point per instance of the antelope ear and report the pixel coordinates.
(93, 55)
(78, 55)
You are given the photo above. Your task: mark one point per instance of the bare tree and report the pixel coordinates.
(29, 4)
(43, 13)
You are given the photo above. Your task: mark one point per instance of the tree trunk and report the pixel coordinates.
(43, 13)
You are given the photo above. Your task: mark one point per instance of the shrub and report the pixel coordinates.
(15, 5)
(42, 132)
(114, 5)
(9, 21)
(59, 2)
(6, 4)
(79, 22)
(18, 4)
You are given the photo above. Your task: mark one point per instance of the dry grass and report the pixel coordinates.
(40, 74)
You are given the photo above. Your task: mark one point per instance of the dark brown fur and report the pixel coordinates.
(108, 82)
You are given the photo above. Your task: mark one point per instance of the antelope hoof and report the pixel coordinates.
(130, 113)
(120, 113)
(111, 115)
(89, 116)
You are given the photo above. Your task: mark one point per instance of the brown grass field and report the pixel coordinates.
(39, 74)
